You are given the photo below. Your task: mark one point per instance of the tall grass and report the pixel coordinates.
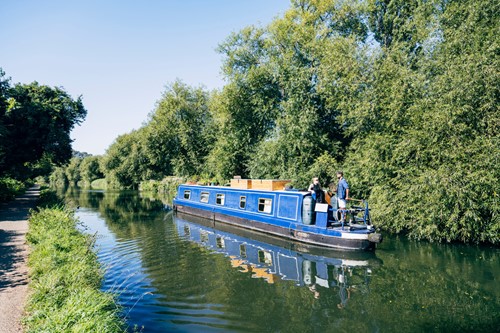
(65, 293)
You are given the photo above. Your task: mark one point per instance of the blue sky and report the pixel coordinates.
(119, 55)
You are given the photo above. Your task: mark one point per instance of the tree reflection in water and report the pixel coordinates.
(274, 259)
(169, 281)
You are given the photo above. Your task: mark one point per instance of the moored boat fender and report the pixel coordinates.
(307, 272)
(307, 210)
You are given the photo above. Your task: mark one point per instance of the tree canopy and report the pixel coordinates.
(35, 126)
(403, 96)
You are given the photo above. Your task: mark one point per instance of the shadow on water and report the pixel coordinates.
(187, 274)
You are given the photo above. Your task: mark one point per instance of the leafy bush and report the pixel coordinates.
(9, 188)
(49, 199)
(166, 186)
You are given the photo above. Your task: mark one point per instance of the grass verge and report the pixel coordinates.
(66, 277)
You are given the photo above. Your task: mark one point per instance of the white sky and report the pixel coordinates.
(119, 55)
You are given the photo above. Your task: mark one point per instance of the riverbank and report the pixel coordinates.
(66, 278)
(13, 259)
(64, 275)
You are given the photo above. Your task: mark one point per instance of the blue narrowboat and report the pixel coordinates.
(290, 214)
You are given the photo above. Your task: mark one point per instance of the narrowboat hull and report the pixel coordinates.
(344, 238)
(242, 245)
(307, 237)
(253, 236)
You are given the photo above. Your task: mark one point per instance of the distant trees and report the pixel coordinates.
(90, 170)
(124, 163)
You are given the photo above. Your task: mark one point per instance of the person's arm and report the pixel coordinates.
(347, 193)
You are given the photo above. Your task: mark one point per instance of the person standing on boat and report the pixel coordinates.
(342, 190)
(316, 191)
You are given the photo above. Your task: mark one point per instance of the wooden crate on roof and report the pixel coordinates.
(241, 183)
(269, 184)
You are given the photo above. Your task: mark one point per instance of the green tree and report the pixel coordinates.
(459, 173)
(176, 135)
(283, 76)
(90, 170)
(58, 177)
(38, 122)
(243, 113)
(4, 87)
(125, 164)
(427, 133)
(402, 95)
(72, 171)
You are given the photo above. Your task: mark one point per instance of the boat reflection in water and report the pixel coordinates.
(272, 259)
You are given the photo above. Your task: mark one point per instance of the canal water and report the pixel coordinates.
(177, 273)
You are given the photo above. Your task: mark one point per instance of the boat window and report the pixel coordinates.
(204, 197)
(243, 202)
(265, 257)
(265, 205)
(204, 237)
(187, 194)
(220, 242)
(219, 199)
(243, 251)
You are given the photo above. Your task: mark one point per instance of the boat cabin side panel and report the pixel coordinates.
(281, 205)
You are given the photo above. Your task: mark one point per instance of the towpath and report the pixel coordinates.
(13, 259)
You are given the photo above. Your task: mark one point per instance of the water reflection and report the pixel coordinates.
(273, 259)
(168, 281)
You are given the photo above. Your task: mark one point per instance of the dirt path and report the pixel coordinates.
(13, 255)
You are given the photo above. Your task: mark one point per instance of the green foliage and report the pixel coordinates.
(403, 96)
(177, 135)
(36, 126)
(4, 86)
(427, 148)
(243, 115)
(279, 119)
(72, 171)
(9, 188)
(325, 167)
(90, 170)
(125, 163)
(58, 177)
(166, 186)
(49, 199)
(66, 278)
(176, 139)
(99, 184)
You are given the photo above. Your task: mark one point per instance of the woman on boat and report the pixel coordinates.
(316, 191)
